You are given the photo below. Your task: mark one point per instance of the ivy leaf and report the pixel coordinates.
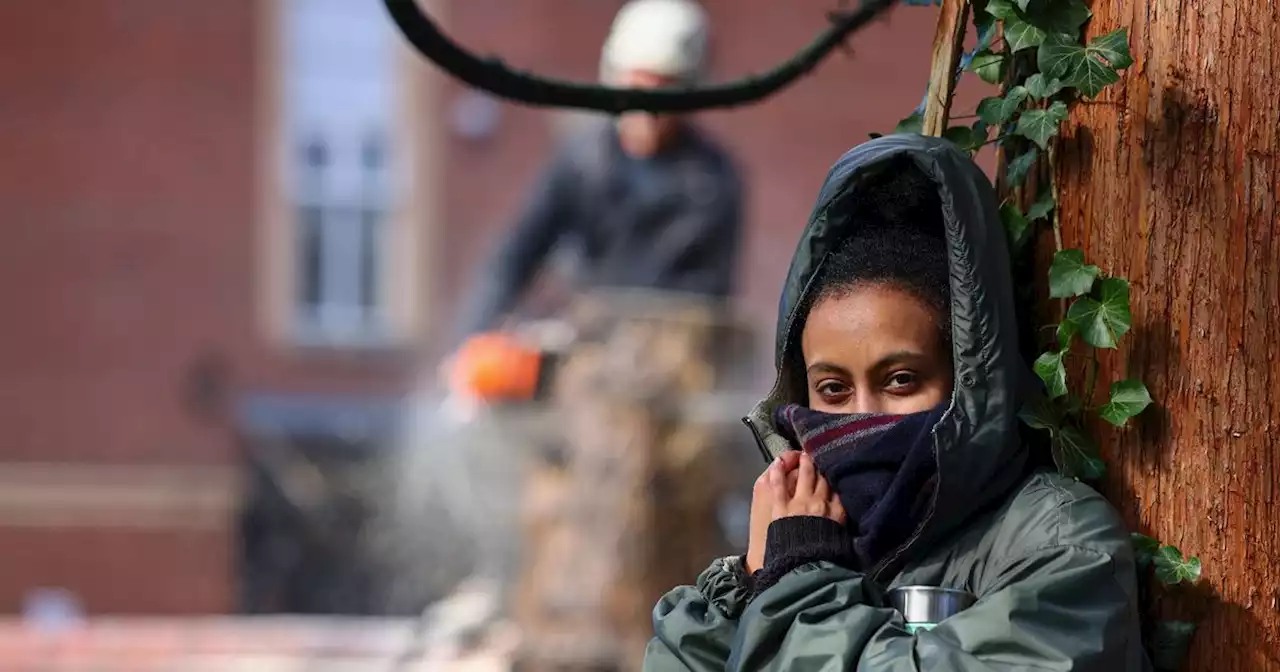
(988, 66)
(979, 134)
(1077, 455)
(1104, 320)
(1113, 48)
(1058, 56)
(1051, 370)
(960, 135)
(1016, 225)
(1144, 548)
(1172, 568)
(1020, 34)
(970, 139)
(1059, 17)
(1040, 413)
(1043, 206)
(1128, 398)
(1070, 276)
(912, 124)
(1090, 68)
(985, 26)
(995, 110)
(1040, 87)
(1016, 172)
(1040, 125)
(1002, 9)
(1067, 330)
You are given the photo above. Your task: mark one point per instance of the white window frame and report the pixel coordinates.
(388, 96)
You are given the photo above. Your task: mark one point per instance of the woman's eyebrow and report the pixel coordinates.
(827, 367)
(898, 357)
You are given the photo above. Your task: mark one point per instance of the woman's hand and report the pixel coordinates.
(762, 506)
(809, 496)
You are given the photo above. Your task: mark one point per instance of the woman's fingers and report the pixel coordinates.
(837, 510)
(808, 477)
(822, 491)
(778, 484)
(790, 459)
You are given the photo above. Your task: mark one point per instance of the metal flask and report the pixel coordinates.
(924, 607)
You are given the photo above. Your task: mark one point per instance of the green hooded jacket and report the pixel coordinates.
(1047, 557)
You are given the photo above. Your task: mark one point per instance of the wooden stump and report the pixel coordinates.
(633, 509)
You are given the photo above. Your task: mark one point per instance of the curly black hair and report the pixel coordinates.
(898, 239)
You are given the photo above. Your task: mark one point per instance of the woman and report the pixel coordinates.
(893, 428)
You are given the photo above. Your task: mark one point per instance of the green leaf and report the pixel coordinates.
(1103, 321)
(912, 124)
(1128, 398)
(1092, 76)
(968, 138)
(979, 134)
(1172, 568)
(1016, 225)
(1061, 17)
(1001, 9)
(1023, 4)
(1069, 275)
(1016, 171)
(1076, 454)
(1040, 88)
(985, 26)
(1144, 548)
(960, 135)
(988, 66)
(1090, 68)
(1059, 55)
(1040, 413)
(1067, 330)
(1113, 48)
(1051, 370)
(1043, 205)
(995, 110)
(1019, 34)
(1040, 125)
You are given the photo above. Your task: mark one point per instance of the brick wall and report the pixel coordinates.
(128, 181)
(129, 187)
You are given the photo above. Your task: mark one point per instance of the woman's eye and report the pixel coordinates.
(901, 380)
(832, 388)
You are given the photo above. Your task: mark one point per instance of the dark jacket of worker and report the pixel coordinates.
(670, 223)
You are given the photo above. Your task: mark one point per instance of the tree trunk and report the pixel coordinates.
(1170, 178)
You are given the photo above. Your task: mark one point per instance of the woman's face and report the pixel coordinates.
(875, 349)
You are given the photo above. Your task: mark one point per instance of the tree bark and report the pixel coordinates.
(1170, 178)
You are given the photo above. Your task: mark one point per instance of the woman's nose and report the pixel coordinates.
(867, 403)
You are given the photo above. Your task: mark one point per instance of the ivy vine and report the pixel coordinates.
(1034, 50)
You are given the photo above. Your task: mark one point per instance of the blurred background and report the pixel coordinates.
(203, 381)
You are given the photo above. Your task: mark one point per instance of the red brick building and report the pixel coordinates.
(237, 219)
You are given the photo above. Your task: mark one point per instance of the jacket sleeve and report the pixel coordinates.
(1060, 608)
(694, 626)
(546, 216)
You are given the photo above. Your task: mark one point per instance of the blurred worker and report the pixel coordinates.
(649, 201)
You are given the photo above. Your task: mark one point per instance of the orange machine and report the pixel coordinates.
(496, 367)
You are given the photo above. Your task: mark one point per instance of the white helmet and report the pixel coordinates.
(664, 37)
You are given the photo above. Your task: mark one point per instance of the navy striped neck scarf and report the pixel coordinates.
(882, 467)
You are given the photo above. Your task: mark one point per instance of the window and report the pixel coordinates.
(339, 113)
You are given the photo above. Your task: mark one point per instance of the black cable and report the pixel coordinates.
(492, 75)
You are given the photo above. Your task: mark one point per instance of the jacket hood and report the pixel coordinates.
(978, 450)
